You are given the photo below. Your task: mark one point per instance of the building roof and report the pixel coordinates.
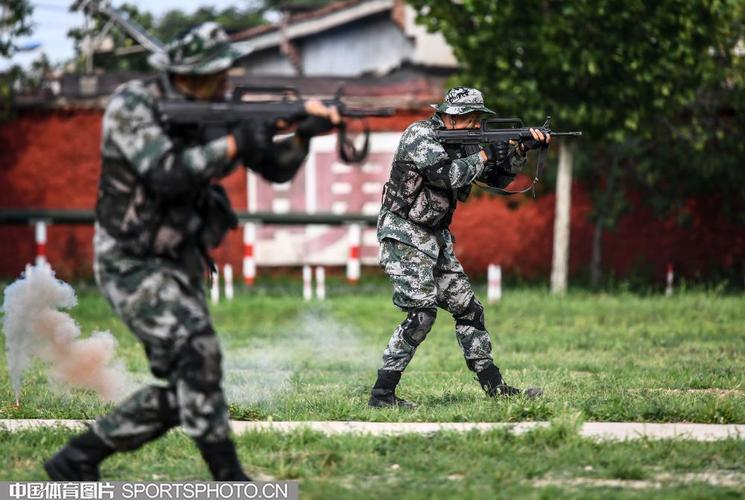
(311, 22)
(429, 49)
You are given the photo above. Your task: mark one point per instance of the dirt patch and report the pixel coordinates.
(714, 391)
(723, 478)
(714, 478)
(602, 431)
(588, 482)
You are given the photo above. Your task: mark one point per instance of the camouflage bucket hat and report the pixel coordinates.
(462, 100)
(201, 50)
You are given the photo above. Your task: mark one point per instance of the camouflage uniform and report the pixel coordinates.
(416, 245)
(149, 266)
(152, 220)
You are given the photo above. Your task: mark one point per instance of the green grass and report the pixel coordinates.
(609, 357)
(620, 357)
(546, 463)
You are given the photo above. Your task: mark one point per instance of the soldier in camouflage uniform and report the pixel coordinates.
(158, 211)
(416, 246)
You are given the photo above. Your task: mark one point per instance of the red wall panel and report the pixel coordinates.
(51, 160)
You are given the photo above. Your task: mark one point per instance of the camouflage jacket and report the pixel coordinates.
(150, 182)
(447, 171)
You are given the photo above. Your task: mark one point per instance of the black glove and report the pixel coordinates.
(496, 153)
(252, 139)
(312, 126)
(528, 144)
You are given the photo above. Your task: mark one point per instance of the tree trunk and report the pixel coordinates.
(597, 254)
(560, 264)
(601, 222)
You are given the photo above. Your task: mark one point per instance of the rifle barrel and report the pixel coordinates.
(559, 134)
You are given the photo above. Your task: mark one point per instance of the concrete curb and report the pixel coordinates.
(601, 431)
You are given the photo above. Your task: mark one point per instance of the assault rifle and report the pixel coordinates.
(496, 130)
(267, 105)
(284, 104)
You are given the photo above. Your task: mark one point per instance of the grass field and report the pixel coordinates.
(548, 463)
(608, 357)
(621, 357)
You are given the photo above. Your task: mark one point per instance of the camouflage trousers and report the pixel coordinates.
(421, 284)
(165, 308)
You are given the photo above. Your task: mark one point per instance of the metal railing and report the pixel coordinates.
(23, 216)
(40, 219)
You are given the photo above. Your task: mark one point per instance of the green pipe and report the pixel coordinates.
(23, 216)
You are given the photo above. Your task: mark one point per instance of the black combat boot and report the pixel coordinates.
(384, 391)
(493, 384)
(79, 459)
(222, 461)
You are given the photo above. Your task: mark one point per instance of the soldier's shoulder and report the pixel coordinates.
(421, 127)
(422, 130)
(132, 94)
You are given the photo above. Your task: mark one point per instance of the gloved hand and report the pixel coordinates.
(496, 153)
(538, 140)
(528, 144)
(313, 125)
(252, 138)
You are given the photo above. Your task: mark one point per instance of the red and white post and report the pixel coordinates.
(670, 279)
(353, 260)
(494, 277)
(307, 282)
(249, 259)
(227, 272)
(320, 283)
(40, 230)
(215, 288)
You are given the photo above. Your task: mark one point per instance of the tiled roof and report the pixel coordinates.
(296, 18)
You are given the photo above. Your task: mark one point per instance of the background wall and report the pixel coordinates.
(51, 160)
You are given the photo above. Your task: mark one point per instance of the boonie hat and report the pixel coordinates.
(462, 100)
(201, 50)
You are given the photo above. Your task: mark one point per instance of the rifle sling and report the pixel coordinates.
(536, 178)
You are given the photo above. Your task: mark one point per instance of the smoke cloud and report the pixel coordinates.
(34, 327)
(314, 341)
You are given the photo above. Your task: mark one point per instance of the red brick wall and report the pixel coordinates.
(488, 231)
(51, 160)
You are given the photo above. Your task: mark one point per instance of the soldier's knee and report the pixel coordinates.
(161, 359)
(417, 325)
(472, 315)
(200, 362)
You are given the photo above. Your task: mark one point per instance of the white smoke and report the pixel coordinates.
(35, 328)
(313, 341)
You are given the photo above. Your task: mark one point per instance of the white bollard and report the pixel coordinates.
(320, 283)
(227, 272)
(41, 242)
(215, 289)
(307, 283)
(353, 260)
(494, 290)
(249, 261)
(670, 278)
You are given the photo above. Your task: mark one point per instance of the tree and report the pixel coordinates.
(15, 21)
(126, 57)
(111, 60)
(631, 74)
(232, 19)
